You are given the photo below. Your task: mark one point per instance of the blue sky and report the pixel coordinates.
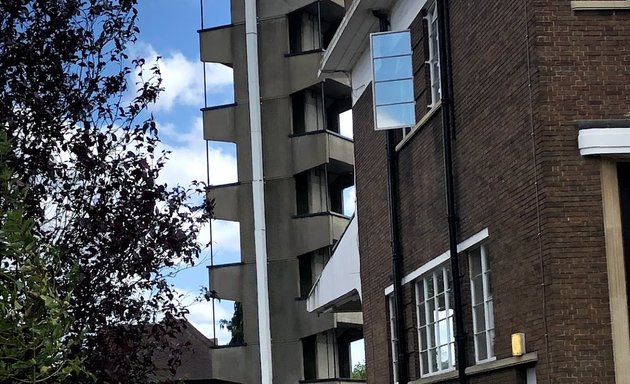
(168, 29)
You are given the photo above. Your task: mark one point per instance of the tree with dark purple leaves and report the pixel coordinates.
(84, 152)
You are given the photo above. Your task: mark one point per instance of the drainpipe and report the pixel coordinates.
(258, 192)
(445, 74)
(392, 199)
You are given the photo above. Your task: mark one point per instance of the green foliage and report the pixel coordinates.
(358, 371)
(88, 233)
(34, 316)
(235, 325)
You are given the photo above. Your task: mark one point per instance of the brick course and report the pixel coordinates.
(515, 167)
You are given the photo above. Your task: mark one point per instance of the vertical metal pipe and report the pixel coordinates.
(392, 197)
(258, 192)
(445, 73)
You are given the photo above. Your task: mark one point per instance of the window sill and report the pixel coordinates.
(528, 358)
(436, 378)
(600, 5)
(418, 126)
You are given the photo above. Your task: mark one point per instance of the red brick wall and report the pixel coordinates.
(584, 73)
(514, 166)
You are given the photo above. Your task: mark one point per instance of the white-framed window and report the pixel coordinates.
(392, 75)
(435, 322)
(434, 54)
(482, 308)
(393, 337)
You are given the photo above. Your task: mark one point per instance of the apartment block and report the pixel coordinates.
(514, 172)
(307, 165)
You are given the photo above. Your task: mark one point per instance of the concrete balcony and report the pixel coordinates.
(303, 69)
(313, 149)
(332, 381)
(233, 281)
(219, 123)
(215, 44)
(317, 230)
(232, 201)
(235, 364)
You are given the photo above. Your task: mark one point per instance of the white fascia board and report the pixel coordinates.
(351, 37)
(349, 49)
(443, 258)
(341, 275)
(604, 141)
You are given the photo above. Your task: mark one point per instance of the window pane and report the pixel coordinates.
(480, 318)
(444, 360)
(423, 339)
(444, 332)
(432, 341)
(434, 361)
(425, 362)
(431, 310)
(392, 68)
(491, 336)
(430, 289)
(475, 263)
(482, 350)
(391, 44)
(395, 116)
(490, 310)
(390, 92)
(478, 288)
(442, 305)
(421, 314)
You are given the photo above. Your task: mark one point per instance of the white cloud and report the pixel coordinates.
(200, 315)
(182, 78)
(187, 160)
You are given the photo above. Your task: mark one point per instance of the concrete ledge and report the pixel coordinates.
(528, 358)
(600, 5)
(450, 375)
(604, 141)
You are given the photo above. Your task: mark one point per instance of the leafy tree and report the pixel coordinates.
(358, 371)
(86, 156)
(34, 318)
(235, 325)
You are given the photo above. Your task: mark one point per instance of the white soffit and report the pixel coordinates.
(604, 141)
(351, 38)
(340, 279)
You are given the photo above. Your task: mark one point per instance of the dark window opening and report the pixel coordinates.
(301, 193)
(623, 175)
(313, 27)
(306, 274)
(309, 355)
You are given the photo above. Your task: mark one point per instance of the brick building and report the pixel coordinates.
(531, 100)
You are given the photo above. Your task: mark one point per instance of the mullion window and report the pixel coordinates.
(482, 307)
(435, 322)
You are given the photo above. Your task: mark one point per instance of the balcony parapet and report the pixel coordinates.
(233, 281)
(313, 149)
(224, 358)
(332, 381)
(215, 44)
(317, 230)
(225, 122)
(303, 69)
(232, 201)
